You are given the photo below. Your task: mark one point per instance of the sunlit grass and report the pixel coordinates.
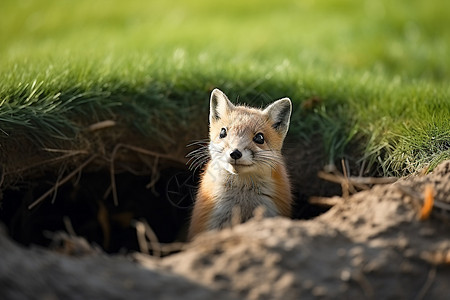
(380, 70)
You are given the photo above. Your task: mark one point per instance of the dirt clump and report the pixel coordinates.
(371, 245)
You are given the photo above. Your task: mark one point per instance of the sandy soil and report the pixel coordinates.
(372, 245)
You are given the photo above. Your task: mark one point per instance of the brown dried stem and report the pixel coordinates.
(138, 150)
(62, 181)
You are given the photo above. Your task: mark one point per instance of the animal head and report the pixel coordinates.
(245, 139)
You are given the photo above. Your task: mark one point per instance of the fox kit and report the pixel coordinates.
(246, 169)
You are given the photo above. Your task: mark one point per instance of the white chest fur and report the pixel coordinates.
(241, 196)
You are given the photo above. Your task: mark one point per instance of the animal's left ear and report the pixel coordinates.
(279, 114)
(219, 106)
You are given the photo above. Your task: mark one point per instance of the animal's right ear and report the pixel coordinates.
(219, 106)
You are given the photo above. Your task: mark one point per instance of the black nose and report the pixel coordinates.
(236, 154)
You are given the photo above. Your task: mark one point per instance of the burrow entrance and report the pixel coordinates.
(87, 206)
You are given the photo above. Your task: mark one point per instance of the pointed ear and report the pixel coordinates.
(279, 114)
(219, 105)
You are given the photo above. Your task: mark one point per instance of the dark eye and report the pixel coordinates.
(223, 133)
(259, 138)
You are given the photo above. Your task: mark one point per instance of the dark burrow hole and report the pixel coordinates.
(87, 205)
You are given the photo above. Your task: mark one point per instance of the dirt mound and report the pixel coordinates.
(370, 245)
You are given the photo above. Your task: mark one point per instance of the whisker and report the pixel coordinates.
(198, 142)
(195, 168)
(272, 162)
(268, 164)
(198, 157)
(269, 151)
(196, 152)
(197, 164)
(197, 160)
(269, 157)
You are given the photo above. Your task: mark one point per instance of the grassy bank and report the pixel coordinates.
(370, 78)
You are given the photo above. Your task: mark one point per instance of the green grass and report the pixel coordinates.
(381, 70)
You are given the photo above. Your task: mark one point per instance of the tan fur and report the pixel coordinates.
(258, 178)
(282, 193)
(202, 208)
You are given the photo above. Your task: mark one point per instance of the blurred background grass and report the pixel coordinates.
(375, 72)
